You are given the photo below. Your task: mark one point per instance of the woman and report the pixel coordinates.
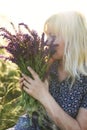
(65, 96)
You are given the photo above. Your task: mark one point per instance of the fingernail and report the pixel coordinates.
(23, 74)
(28, 67)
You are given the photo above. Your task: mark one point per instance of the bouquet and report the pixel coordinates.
(28, 49)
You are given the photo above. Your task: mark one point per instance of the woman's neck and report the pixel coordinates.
(62, 74)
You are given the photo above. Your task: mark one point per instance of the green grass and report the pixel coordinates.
(10, 95)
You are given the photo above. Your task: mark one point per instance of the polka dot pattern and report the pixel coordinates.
(69, 99)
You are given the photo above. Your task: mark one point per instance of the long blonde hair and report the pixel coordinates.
(73, 28)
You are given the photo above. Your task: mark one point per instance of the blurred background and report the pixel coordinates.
(33, 13)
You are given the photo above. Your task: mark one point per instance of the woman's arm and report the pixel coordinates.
(61, 118)
(39, 90)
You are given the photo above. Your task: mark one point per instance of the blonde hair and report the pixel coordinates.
(72, 27)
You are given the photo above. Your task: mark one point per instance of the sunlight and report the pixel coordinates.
(25, 51)
(34, 13)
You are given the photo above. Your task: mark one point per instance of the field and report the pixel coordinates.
(10, 94)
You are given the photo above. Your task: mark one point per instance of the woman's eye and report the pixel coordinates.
(53, 38)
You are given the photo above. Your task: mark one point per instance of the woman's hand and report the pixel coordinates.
(34, 87)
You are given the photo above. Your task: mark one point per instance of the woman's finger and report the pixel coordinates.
(21, 79)
(21, 85)
(27, 78)
(26, 89)
(34, 74)
(26, 84)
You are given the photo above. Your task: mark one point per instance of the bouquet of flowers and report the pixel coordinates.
(27, 49)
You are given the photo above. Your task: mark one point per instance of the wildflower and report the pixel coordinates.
(27, 49)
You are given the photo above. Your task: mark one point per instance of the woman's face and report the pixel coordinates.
(57, 46)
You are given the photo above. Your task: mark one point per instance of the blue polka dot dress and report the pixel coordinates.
(69, 99)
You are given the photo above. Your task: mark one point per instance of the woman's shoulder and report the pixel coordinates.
(84, 85)
(83, 79)
(80, 84)
(83, 82)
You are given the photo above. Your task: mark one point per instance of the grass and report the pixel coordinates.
(10, 95)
